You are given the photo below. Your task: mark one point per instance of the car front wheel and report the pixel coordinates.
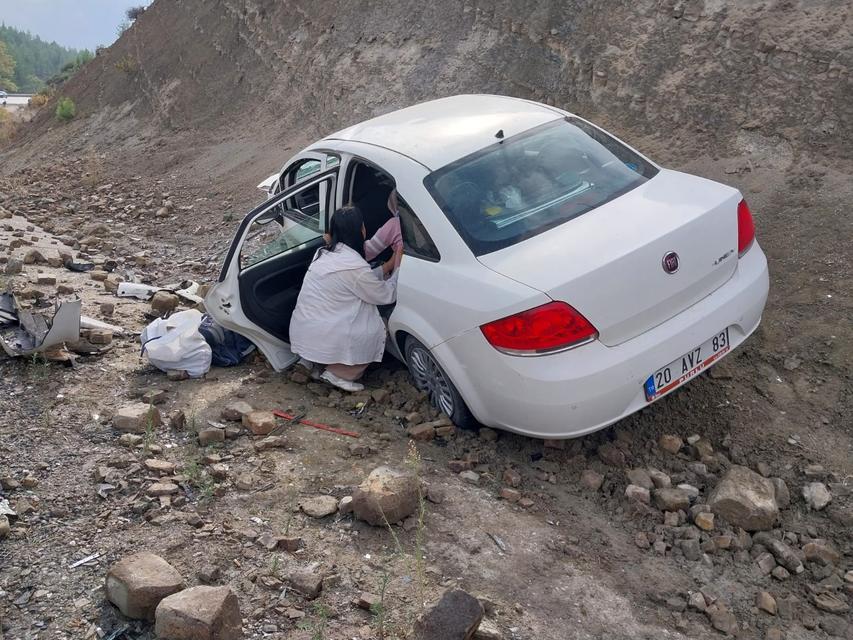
(430, 377)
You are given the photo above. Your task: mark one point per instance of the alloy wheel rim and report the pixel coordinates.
(430, 378)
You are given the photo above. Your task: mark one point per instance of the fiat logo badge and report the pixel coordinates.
(670, 262)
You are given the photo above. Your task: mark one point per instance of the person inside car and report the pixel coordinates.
(336, 326)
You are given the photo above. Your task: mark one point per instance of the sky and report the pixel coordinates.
(78, 24)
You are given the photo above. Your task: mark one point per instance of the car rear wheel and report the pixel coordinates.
(430, 377)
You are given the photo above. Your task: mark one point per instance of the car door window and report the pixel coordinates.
(416, 240)
(287, 225)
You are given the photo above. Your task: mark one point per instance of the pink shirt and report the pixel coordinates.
(388, 235)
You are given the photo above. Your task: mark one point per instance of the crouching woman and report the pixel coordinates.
(336, 325)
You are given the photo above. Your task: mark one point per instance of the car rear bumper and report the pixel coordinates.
(579, 391)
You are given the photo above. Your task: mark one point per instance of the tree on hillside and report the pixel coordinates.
(35, 60)
(7, 69)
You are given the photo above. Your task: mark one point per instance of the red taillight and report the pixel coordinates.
(553, 326)
(745, 228)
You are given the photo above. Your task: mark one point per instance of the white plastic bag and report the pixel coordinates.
(176, 344)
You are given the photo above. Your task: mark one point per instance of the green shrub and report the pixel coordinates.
(65, 109)
(127, 65)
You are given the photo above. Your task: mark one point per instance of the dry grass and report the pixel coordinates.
(7, 125)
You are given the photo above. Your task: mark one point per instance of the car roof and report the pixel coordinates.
(439, 132)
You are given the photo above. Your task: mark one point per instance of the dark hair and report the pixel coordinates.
(346, 227)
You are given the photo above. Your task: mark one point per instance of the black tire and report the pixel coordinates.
(428, 376)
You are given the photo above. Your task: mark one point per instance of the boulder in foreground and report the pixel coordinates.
(386, 495)
(745, 499)
(137, 583)
(199, 613)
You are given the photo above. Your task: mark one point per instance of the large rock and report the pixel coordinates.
(200, 613)
(386, 495)
(137, 583)
(137, 417)
(456, 617)
(260, 423)
(319, 506)
(745, 499)
(816, 495)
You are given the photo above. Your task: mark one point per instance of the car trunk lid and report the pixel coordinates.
(609, 263)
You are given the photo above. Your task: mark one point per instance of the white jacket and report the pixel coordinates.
(336, 320)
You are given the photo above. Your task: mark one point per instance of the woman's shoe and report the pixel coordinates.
(311, 369)
(340, 383)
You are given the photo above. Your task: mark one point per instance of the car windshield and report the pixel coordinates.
(527, 184)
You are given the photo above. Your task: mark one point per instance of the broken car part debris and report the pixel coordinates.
(23, 333)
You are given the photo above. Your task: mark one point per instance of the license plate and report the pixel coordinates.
(687, 366)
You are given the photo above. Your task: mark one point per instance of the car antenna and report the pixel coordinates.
(500, 135)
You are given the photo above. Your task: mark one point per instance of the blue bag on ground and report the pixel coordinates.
(228, 348)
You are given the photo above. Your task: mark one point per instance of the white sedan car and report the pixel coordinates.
(555, 280)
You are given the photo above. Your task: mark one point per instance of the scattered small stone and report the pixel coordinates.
(510, 495)
(319, 506)
(783, 554)
(137, 583)
(512, 478)
(692, 549)
(780, 490)
(704, 521)
(591, 480)
(817, 495)
(670, 443)
(660, 479)
(307, 583)
(200, 613)
(722, 619)
(345, 505)
(640, 494)
(774, 633)
(488, 435)
(162, 489)
(154, 396)
(235, 411)
(422, 432)
(822, 552)
(766, 563)
(368, 601)
(209, 435)
(641, 539)
(697, 601)
(611, 455)
(640, 477)
(766, 602)
(829, 602)
(471, 477)
(271, 442)
(671, 499)
(458, 466)
(780, 573)
(163, 467)
(137, 417)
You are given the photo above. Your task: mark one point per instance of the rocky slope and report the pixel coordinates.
(226, 90)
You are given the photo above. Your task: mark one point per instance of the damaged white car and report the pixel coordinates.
(556, 279)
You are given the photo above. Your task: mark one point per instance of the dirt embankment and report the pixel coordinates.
(199, 100)
(226, 90)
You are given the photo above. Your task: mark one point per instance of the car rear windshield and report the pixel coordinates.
(534, 181)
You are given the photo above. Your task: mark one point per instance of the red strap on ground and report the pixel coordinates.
(316, 425)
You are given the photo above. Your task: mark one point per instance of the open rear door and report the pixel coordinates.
(266, 263)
